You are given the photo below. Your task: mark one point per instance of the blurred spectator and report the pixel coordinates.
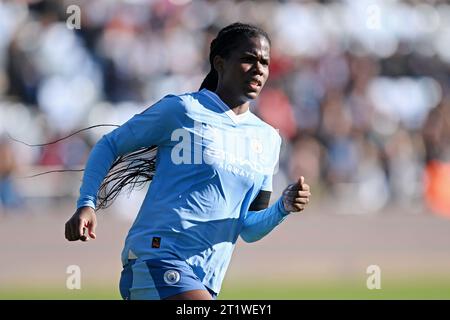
(437, 170)
(306, 158)
(336, 131)
(275, 108)
(9, 195)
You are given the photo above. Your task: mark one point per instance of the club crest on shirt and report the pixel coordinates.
(256, 145)
(171, 276)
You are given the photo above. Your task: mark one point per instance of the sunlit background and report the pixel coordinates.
(359, 91)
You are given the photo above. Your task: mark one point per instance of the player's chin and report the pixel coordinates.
(252, 94)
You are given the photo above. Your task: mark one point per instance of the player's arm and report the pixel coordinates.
(258, 224)
(151, 127)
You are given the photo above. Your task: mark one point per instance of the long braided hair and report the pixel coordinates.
(135, 169)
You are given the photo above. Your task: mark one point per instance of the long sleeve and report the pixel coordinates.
(151, 127)
(258, 224)
(99, 162)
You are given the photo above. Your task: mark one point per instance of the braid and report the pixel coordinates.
(132, 170)
(226, 41)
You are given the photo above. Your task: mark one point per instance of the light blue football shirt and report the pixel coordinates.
(210, 166)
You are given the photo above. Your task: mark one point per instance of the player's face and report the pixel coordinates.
(246, 70)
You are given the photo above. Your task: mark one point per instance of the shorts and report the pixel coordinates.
(156, 279)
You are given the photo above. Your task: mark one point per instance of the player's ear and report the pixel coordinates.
(218, 63)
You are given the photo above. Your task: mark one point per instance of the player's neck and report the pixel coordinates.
(241, 109)
(238, 107)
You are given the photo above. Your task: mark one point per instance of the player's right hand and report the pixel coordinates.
(83, 219)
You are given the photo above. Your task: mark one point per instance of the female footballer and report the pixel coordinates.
(212, 177)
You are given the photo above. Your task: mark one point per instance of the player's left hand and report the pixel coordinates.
(296, 196)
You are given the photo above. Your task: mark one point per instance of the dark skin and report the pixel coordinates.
(242, 76)
(243, 73)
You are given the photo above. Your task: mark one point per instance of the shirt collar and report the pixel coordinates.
(224, 107)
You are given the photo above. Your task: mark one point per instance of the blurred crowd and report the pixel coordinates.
(358, 89)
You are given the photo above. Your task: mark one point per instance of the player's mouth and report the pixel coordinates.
(254, 84)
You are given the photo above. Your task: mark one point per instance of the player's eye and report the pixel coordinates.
(248, 59)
